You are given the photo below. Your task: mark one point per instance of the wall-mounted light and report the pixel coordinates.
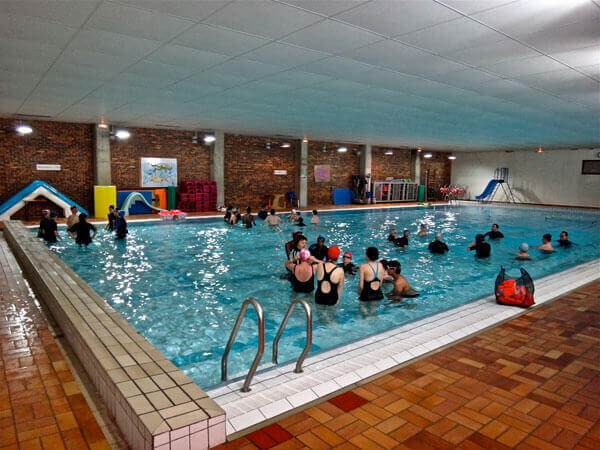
(305, 139)
(427, 155)
(342, 149)
(209, 139)
(324, 149)
(195, 138)
(388, 152)
(286, 145)
(419, 150)
(22, 130)
(539, 150)
(122, 134)
(451, 157)
(103, 124)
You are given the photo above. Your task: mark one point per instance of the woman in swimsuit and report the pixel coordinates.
(302, 275)
(370, 275)
(330, 278)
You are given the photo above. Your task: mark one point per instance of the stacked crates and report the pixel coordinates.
(197, 196)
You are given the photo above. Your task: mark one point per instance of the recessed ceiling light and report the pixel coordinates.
(122, 134)
(342, 149)
(389, 152)
(539, 150)
(451, 157)
(286, 145)
(102, 124)
(24, 129)
(209, 139)
(427, 155)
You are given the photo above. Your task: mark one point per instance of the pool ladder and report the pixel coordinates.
(261, 337)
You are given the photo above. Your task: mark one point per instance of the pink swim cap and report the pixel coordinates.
(304, 254)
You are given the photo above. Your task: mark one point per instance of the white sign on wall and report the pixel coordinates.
(280, 172)
(47, 166)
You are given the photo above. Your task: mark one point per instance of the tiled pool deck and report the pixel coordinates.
(531, 382)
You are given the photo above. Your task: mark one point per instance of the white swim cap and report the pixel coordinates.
(523, 247)
(438, 236)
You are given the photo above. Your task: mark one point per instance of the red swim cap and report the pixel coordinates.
(347, 255)
(333, 252)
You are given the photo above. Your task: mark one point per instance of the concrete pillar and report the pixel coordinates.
(417, 167)
(365, 160)
(102, 157)
(303, 173)
(217, 166)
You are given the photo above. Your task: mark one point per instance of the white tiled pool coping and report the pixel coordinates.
(279, 390)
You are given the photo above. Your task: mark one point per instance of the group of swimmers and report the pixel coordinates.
(78, 228)
(233, 216)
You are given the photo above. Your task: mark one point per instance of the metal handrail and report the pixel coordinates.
(261, 341)
(308, 312)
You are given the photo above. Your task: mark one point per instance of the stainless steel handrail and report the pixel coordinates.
(308, 312)
(261, 341)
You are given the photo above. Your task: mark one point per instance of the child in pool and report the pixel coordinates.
(422, 230)
(523, 255)
(315, 217)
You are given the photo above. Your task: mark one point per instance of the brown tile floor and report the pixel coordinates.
(532, 382)
(41, 405)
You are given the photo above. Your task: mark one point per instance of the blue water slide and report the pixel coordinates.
(488, 190)
(35, 189)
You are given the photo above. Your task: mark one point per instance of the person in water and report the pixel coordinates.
(523, 255)
(263, 212)
(112, 217)
(73, 218)
(422, 230)
(369, 281)
(494, 233)
(293, 216)
(300, 221)
(564, 241)
(401, 286)
(546, 246)
(82, 230)
(346, 264)
(319, 250)
(392, 236)
(438, 246)
(289, 245)
(482, 248)
(330, 279)
(48, 229)
(248, 218)
(273, 220)
(302, 275)
(228, 212)
(314, 220)
(121, 226)
(235, 216)
(402, 242)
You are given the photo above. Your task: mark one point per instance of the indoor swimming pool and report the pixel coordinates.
(181, 284)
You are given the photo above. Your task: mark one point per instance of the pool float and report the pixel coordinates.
(517, 292)
(172, 214)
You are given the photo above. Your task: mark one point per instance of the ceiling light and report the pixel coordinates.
(342, 149)
(195, 139)
(427, 155)
(122, 134)
(324, 148)
(286, 145)
(539, 150)
(268, 145)
(452, 157)
(209, 139)
(419, 150)
(305, 140)
(102, 124)
(389, 152)
(24, 129)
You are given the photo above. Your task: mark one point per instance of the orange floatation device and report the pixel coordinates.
(172, 214)
(515, 292)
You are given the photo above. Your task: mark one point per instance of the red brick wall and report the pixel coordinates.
(67, 144)
(439, 167)
(398, 165)
(249, 170)
(343, 167)
(193, 160)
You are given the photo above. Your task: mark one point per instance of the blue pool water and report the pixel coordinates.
(181, 284)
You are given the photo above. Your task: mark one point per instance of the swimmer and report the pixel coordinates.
(112, 217)
(235, 216)
(523, 255)
(392, 236)
(293, 216)
(546, 246)
(438, 246)
(369, 283)
(346, 264)
(289, 245)
(482, 248)
(401, 286)
(121, 226)
(330, 279)
(302, 274)
(402, 242)
(228, 213)
(82, 229)
(319, 250)
(314, 220)
(263, 212)
(248, 218)
(300, 244)
(273, 220)
(564, 241)
(422, 230)
(73, 218)
(300, 221)
(48, 229)
(494, 233)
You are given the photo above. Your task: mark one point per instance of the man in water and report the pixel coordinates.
(546, 246)
(564, 241)
(422, 230)
(319, 250)
(48, 229)
(82, 229)
(263, 212)
(523, 255)
(273, 220)
(438, 246)
(73, 218)
(494, 233)
(401, 286)
(347, 265)
(402, 242)
(330, 279)
(314, 220)
(392, 236)
(482, 248)
(248, 218)
(112, 217)
(121, 228)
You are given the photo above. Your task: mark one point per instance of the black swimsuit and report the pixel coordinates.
(302, 286)
(331, 297)
(368, 293)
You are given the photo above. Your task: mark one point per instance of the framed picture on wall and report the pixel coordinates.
(322, 173)
(159, 172)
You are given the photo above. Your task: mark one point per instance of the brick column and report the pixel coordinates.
(102, 170)
(217, 165)
(303, 173)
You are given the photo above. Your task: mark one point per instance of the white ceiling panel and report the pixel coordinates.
(294, 78)
(166, 72)
(113, 44)
(250, 70)
(565, 38)
(186, 57)
(579, 57)
(72, 13)
(393, 18)
(263, 18)
(190, 9)
(284, 55)
(336, 66)
(25, 56)
(592, 70)
(34, 30)
(474, 6)
(524, 66)
(223, 80)
(480, 55)
(100, 61)
(137, 22)
(219, 40)
(325, 7)
(332, 37)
